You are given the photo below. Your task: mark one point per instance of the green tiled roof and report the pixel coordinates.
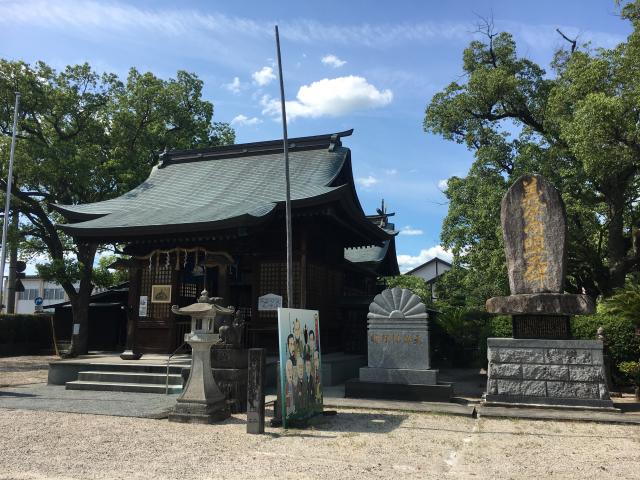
(223, 187)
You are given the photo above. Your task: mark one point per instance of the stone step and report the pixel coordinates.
(121, 387)
(130, 377)
(138, 367)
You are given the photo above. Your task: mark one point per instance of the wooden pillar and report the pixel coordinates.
(303, 270)
(223, 284)
(133, 304)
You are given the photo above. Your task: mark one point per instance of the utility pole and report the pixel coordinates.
(7, 203)
(13, 258)
(287, 181)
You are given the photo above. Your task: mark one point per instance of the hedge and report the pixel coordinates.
(31, 331)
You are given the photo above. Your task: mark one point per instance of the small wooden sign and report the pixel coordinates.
(142, 308)
(269, 302)
(255, 390)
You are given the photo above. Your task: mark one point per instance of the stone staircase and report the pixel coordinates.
(131, 377)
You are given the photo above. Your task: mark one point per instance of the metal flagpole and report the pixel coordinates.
(7, 202)
(287, 181)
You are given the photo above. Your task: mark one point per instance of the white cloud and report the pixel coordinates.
(391, 171)
(407, 262)
(409, 230)
(330, 97)
(244, 120)
(92, 18)
(367, 182)
(264, 76)
(234, 86)
(442, 184)
(333, 61)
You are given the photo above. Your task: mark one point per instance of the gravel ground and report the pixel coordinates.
(24, 370)
(353, 444)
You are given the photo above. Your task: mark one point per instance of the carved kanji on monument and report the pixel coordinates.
(535, 233)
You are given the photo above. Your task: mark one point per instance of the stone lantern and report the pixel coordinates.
(201, 401)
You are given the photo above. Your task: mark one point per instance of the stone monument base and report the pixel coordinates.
(357, 388)
(546, 372)
(190, 412)
(399, 375)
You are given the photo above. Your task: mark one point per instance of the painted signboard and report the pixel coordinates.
(300, 364)
(269, 302)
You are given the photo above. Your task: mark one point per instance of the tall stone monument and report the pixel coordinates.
(399, 364)
(541, 364)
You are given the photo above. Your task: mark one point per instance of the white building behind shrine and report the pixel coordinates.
(35, 286)
(430, 271)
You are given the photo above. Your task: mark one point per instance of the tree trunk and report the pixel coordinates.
(80, 301)
(616, 242)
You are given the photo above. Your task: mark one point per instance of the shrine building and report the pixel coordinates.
(213, 219)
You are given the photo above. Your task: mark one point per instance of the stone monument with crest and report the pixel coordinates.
(399, 363)
(541, 364)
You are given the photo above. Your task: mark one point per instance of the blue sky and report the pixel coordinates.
(371, 66)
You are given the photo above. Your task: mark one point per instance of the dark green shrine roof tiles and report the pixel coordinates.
(212, 190)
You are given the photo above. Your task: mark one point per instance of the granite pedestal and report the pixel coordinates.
(547, 372)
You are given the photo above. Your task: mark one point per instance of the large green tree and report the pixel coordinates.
(578, 125)
(86, 137)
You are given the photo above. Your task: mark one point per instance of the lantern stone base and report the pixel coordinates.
(201, 401)
(546, 372)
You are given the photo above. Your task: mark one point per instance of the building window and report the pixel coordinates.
(54, 294)
(28, 294)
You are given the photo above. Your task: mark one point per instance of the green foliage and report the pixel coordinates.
(416, 284)
(622, 342)
(106, 277)
(576, 126)
(631, 370)
(86, 137)
(460, 335)
(625, 302)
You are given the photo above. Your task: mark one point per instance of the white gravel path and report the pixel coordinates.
(354, 444)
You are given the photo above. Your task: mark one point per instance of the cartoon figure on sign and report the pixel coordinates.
(290, 388)
(300, 390)
(310, 379)
(291, 349)
(296, 335)
(317, 380)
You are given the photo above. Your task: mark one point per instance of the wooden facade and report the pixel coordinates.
(240, 259)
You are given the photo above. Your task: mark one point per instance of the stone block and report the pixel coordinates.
(399, 376)
(506, 370)
(573, 390)
(509, 387)
(522, 355)
(565, 356)
(604, 391)
(401, 348)
(493, 354)
(492, 387)
(545, 372)
(586, 373)
(534, 388)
